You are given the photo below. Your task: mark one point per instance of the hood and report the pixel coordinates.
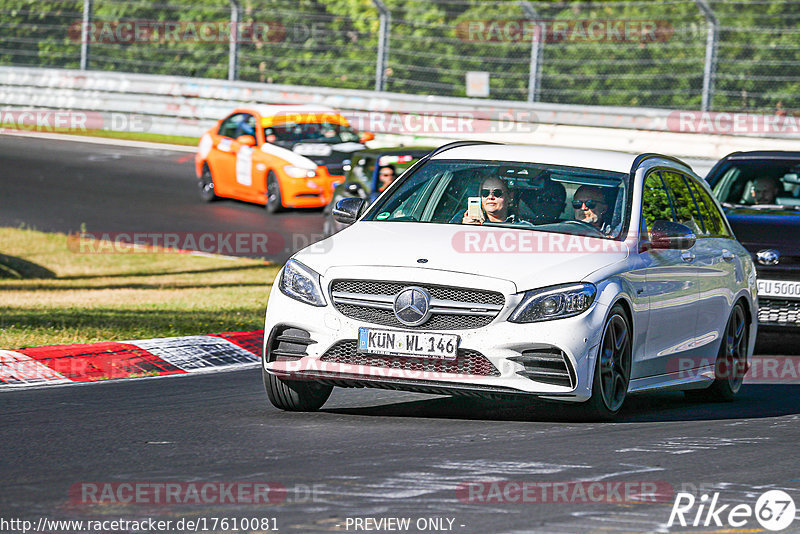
(526, 258)
(331, 155)
(758, 229)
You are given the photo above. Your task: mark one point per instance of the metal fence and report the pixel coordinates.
(674, 54)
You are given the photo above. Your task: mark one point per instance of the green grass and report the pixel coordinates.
(131, 136)
(52, 295)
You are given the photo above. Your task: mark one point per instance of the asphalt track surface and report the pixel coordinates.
(368, 453)
(64, 186)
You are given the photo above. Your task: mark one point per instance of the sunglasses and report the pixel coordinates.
(591, 204)
(497, 193)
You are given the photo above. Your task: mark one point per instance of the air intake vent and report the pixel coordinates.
(288, 343)
(548, 365)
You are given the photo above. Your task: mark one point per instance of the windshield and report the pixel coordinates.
(552, 198)
(764, 184)
(287, 134)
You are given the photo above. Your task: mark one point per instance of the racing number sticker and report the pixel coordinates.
(244, 165)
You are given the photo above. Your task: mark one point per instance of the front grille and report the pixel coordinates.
(467, 362)
(780, 312)
(454, 308)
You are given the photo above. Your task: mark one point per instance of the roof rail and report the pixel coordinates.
(456, 144)
(641, 157)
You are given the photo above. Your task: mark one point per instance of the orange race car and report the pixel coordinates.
(279, 156)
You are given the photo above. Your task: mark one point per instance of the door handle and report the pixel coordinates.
(687, 256)
(727, 255)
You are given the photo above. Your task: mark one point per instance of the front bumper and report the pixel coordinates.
(309, 192)
(488, 363)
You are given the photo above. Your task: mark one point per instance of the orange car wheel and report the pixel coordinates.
(274, 203)
(206, 184)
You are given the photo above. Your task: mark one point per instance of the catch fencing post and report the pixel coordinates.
(233, 48)
(535, 69)
(87, 17)
(383, 45)
(710, 68)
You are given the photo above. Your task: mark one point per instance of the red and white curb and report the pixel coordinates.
(64, 364)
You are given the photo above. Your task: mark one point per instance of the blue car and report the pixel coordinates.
(760, 194)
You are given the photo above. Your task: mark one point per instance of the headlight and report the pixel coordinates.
(298, 172)
(554, 302)
(301, 283)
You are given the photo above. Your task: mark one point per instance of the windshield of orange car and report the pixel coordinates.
(288, 134)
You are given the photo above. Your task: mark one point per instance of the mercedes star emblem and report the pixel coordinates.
(412, 306)
(768, 256)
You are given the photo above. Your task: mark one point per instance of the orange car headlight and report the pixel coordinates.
(298, 172)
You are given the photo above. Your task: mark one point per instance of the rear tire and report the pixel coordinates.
(731, 363)
(612, 370)
(274, 201)
(295, 395)
(206, 185)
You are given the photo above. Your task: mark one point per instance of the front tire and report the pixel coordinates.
(612, 371)
(295, 395)
(274, 201)
(731, 364)
(206, 184)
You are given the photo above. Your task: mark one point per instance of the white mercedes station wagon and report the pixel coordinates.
(563, 274)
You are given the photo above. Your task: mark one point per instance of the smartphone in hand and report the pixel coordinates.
(474, 207)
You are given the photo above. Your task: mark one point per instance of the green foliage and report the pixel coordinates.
(334, 43)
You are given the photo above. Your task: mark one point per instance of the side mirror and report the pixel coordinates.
(246, 140)
(347, 210)
(367, 136)
(671, 235)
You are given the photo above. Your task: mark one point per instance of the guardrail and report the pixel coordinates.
(187, 106)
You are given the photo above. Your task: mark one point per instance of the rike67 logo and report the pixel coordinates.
(774, 510)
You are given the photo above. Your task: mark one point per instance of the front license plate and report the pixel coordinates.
(779, 288)
(409, 344)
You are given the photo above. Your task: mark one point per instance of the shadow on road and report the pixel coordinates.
(755, 401)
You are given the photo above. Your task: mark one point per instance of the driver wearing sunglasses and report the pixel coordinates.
(590, 206)
(496, 202)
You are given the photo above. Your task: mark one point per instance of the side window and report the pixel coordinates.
(655, 201)
(712, 217)
(686, 210)
(238, 124)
